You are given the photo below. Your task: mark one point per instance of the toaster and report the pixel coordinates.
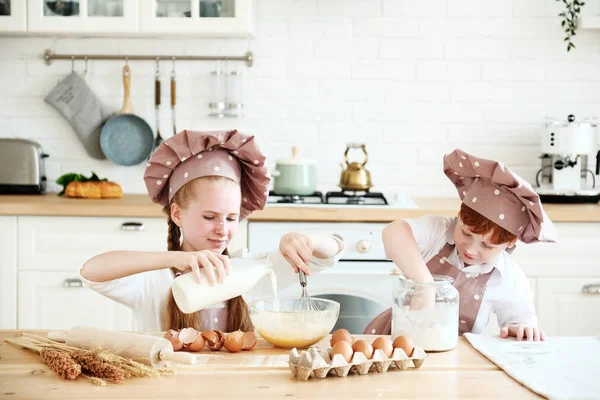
(22, 167)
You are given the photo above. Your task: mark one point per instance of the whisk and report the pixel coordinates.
(305, 308)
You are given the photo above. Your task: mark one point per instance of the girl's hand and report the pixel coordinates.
(297, 249)
(522, 331)
(216, 266)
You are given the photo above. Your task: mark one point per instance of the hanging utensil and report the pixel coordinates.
(158, 139)
(126, 139)
(173, 97)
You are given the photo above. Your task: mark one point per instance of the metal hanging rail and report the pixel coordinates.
(49, 56)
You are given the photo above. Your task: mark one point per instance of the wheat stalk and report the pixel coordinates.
(98, 365)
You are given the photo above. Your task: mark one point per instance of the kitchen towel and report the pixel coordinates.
(86, 113)
(561, 367)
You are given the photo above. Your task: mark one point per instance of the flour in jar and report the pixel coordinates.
(432, 329)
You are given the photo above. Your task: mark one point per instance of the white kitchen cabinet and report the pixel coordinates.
(8, 272)
(13, 16)
(576, 253)
(51, 252)
(66, 243)
(213, 18)
(84, 17)
(569, 306)
(197, 17)
(53, 300)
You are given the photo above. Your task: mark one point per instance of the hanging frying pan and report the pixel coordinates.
(126, 139)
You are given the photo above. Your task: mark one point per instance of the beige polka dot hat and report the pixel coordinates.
(494, 191)
(192, 154)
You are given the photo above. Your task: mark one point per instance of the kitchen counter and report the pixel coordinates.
(263, 373)
(139, 205)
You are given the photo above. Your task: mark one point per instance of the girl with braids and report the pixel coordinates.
(207, 183)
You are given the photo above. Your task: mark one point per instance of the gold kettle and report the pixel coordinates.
(354, 175)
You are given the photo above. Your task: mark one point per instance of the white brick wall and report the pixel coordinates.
(413, 79)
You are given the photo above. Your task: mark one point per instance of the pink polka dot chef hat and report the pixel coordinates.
(494, 191)
(192, 154)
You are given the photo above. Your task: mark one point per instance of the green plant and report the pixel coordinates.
(570, 18)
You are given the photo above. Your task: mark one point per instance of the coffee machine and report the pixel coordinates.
(567, 148)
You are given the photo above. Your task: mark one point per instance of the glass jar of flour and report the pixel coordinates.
(427, 312)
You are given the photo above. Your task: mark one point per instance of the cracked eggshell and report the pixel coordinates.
(214, 339)
(188, 336)
(173, 337)
(249, 341)
(197, 345)
(234, 341)
(209, 336)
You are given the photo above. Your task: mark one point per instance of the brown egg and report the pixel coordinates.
(173, 337)
(341, 334)
(404, 343)
(234, 341)
(344, 349)
(362, 346)
(249, 341)
(385, 344)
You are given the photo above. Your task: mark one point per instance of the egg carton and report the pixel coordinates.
(320, 364)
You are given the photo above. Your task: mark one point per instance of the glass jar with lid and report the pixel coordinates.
(427, 312)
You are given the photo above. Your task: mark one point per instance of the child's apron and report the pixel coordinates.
(470, 291)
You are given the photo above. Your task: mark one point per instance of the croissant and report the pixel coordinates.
(94, 190)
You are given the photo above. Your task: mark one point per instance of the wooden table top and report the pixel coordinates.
(139, 205)
(263, 373)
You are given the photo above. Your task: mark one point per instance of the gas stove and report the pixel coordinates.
(364, 198)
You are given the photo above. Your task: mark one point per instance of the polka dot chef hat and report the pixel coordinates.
(192, 154)
(500, 195)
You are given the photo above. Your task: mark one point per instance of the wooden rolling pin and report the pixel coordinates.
(155, 351)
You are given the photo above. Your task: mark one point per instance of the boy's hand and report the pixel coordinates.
(522, 332)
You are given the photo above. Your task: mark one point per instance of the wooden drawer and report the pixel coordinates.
(66, 243)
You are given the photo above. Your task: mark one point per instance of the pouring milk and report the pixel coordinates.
(192, 296)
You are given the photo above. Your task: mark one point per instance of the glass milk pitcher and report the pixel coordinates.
(426, 312)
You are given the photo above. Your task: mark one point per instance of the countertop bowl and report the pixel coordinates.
(280, 322)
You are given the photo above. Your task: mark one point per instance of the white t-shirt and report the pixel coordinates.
(147, 293)
(507, 294)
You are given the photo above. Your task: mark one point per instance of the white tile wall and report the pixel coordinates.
(413, 79)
